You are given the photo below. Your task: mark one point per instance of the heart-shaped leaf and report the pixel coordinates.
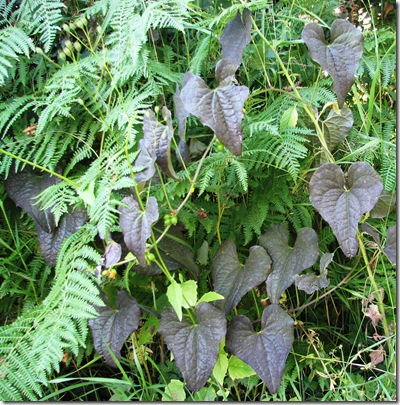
(219, 109)
(24, 187)
(113, 326)
(112, 254)
(195, 346)
(287, 261)
(341, 202)
(136, 225)
(336, 126)
(50, 242)
(311, 282)
(234, 39)
(158, 137)
(145, 160)
(265, 351)
(181, 114)
(390, 247)
(386, 203)
(341, 58)
(233, 280)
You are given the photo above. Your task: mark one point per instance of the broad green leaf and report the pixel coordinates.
(312, 282)
(157, 137)
(219, 109)
(113, 326)
(195, 346)
(287, 261)
(341, 57)
(50, 242)
(390, 247)
(189, 293)
(342, 201)
(265, 351)
(238, 369)
(289, 118)
(136, 225)
(386, 203)
(206, 394)
(174, 391)
(210, 296)
(233, 280)
(221, 366)
(24, 187)
(175, 297)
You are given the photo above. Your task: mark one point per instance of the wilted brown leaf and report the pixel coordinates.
(377, 356)
(373, 312)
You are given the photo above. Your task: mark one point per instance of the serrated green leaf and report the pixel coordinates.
(342, 202)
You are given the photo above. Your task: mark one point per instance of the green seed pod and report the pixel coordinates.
(77, 46)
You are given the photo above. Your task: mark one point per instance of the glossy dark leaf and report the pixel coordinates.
(341, 58)
(145, 160)
(50, 242)
(233, 279)
(113, 326)
(265, 351)
(287, 261)
(24, 187)
(195, 347)
(342, 202)
(390, 247)
(312, 282)
(136, 225)
(219, 109)
(158, 137)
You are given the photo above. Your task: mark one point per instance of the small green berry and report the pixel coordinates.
(174, 220)
(66, 28)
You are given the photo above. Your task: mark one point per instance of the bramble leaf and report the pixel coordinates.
(342, 202)
(158, 137)
(341, 58)
(136, 225)
(233, 280)
(50, 242)
(195, 346)
(219, 109)
(287, 261)
(113, 326)
(265, 351)
(24, 187)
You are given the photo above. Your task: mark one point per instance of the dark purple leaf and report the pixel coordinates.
(232, 279)
(390, 247)
(195, 347)
(136, 225)
(113, 326)
(145, 160)
(112, 254)
(287, 261)
(386, 203)
(219, 109)
(342, 202)
(265, 351)
(181, 114)
(341, 58)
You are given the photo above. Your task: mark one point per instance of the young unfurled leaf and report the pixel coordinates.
(234, 39)
(311, 282)
(341, 202)
(341, 58)
(265, 351)
(195, 347)
(50, 242)
(113, 326)
(24, 187)
(136, 225)
(221, 366)
(232, 279)
(390, 247)
(182, 295)
(287, 261)
(158, 137)
(219, 109)
(335, 128)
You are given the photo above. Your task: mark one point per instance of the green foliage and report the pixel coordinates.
(87, 90)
